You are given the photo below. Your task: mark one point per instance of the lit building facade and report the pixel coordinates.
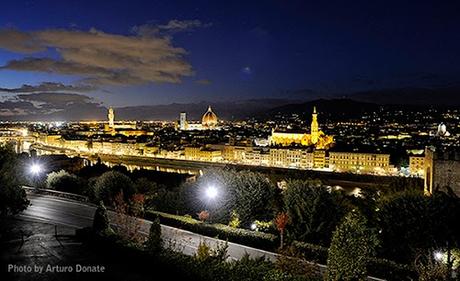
(359, 162)
(416, 165)
(203, 154)
(316, 137)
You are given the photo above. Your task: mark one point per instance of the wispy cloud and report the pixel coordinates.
(97, 57)
(171, 27)
(51, 106)
(203, 81)
(48, 87)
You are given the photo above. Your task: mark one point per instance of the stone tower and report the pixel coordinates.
(314, 127)
(111, 117)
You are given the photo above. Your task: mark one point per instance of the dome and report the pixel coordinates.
(442, 130)
(209, 118)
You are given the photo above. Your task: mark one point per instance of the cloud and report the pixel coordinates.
(99, 58)
(51, 106)
(182, 25)
(48, 87)
(173, 26)
(203, 82)
(17, 41)
(57, 100)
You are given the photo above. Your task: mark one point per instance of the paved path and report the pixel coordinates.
(77, 215)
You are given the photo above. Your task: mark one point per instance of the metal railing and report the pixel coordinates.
(60, 194)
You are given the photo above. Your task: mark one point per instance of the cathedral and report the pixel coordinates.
(209, 121)
(316, 138)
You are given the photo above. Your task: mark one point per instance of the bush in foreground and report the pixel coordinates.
(101, 223)
(12, 197)
(63, 181)
(153, 243)
(352, 246)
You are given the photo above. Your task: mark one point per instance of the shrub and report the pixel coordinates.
(292, 262)
(234, 220)
(251, 195)
(203, 216)
(63, 181)
(12, 197)
(101, 223)
(255, 239)
(314, 212)
(352, 245)
(110, 184)
(281, 221)
(390, 270)
(128, 226)
(312, 252)
(153, 243)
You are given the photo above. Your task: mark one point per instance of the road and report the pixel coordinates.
(77, 215)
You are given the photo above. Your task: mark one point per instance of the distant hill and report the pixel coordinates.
(443, 96)
(224, 110)
(333, 108)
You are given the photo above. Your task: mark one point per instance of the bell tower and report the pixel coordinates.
(314, 127)
(111, 117)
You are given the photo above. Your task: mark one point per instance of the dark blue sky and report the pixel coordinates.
(272, 49)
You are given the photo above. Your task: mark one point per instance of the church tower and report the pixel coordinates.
(111, 117)
(314, 127)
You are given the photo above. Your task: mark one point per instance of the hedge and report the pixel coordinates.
(377, 267)
(260, 240)
(390, 270)
(312, 252)
(182, 267)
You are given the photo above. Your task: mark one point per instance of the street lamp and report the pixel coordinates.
(35, 169)
(438, 255)
(211, 192)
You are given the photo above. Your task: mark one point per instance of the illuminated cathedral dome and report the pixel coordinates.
(209, 118)
(442, 130)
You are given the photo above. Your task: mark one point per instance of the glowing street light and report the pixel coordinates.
(212, 192)
(438, 255)
(35, 169)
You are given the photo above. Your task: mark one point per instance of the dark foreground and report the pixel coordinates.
(59, 257)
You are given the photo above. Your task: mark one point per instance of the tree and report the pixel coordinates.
(101, 223)
(153, 243)
(13, 198)
(250, 195)
(203, 216)
(351, 247)
(128, 226)
(281, 221)
(110, 184)
(63, 181)
(253, 196)
(411, 222)
(313, 210)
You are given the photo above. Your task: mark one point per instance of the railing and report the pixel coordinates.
(51, 192)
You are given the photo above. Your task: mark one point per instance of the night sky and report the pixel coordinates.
(158, 52)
